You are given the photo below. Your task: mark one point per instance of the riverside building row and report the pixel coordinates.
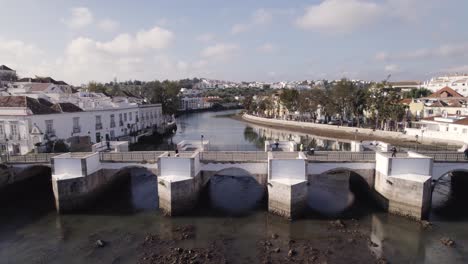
(35, 113)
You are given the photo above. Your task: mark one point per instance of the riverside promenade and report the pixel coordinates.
(402, 184)
(351, 131)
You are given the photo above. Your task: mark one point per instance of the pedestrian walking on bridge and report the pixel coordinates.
(394, 152)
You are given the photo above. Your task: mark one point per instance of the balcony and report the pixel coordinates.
(98, 126)
(77, 129)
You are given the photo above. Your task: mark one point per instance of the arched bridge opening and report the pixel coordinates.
(340, 193)
(233, 191)
(132, 189)
(450, 195)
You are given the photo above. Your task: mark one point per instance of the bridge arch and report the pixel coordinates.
(450, 193)
(341, 190)
(235, 191)
(442, 169)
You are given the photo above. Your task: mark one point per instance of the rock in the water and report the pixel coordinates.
(447, 241)
(372, 244)
(338, 224)
(277, 250)
(291, 252)
(100, 243)
(274, 236)
(426, 224)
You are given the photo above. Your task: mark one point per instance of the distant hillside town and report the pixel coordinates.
(43, 114)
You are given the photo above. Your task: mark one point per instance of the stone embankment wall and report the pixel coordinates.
(350, 130)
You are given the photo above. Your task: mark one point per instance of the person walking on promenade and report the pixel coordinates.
(394, 151)
(301, 147)
(466, 153)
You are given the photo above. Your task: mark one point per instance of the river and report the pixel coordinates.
(231, 207)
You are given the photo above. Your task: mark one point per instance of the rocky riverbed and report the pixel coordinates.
(343, 244)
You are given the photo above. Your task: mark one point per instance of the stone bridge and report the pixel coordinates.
(401, 184)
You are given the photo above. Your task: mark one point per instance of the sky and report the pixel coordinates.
(242, 40)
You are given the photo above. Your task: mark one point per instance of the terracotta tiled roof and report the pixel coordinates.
(445, 92)
(463, 121)
(5, 68)
(406, 101)
(39, 87)
(23, 101)
(66, 108)
(437, 104)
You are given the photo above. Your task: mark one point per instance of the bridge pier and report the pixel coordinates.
(287, 184)
(179, 183)
(403, 185)
(79, 178)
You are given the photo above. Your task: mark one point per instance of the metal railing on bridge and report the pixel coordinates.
(451, 156)
(30, 158)
(341, 156)
(133, 156)
(234, 156)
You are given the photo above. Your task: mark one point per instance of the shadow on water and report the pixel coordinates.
(135, 191)
(231, 195)
(27, 200)
(340, 194)
(450, 196)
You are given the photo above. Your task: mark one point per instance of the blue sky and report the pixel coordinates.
(80, 41)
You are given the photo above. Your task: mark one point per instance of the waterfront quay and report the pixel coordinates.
(401, 184)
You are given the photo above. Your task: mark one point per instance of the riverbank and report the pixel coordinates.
(339, 132)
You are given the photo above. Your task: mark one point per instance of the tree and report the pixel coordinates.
(417, 93)
(289, 98)
(165, 93)
(96, 87)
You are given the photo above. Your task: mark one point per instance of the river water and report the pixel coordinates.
(32, 232)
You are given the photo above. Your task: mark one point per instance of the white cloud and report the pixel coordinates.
(219, 51)
(239, 28)
(267, 48)
(20, 56)
(443, 51)
(259, 17)
(339, 16)
(457, 69)
(207, 37)
(80, 18)
(155, 38)
(108, 25)
(125, 56)
(392, 68)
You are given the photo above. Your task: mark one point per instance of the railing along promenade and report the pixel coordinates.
(445, 156)
(231, 156)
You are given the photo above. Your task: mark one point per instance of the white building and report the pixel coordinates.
(26, 122)
(458, 82)
(449, 128)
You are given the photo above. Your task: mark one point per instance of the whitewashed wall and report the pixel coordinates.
(68, 166)
(419, 166)
(92, 163)
(290, 169)
(175, 167)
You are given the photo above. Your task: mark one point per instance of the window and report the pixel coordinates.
(120, 120)
(2, 130)
(76, 125)
(465, 131)
(130, 116)
(49, 126)
(125, 117)
(98, 122)
(112, 134)
(112, 120)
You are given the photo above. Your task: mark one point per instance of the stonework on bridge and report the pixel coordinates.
(401, 184)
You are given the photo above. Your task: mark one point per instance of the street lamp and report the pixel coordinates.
(201, 146)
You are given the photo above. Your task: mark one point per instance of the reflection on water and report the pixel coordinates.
(450, 196)
(257, 135)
